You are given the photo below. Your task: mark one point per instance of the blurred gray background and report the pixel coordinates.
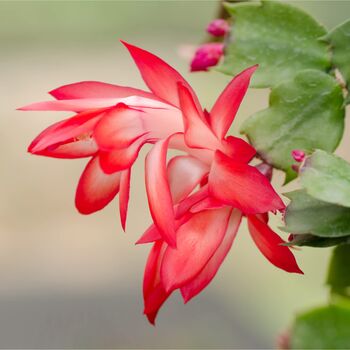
(73, 281)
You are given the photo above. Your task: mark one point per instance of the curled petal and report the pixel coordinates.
(242, 186)
(199, 282)
(184, 174)
(197, 131)
(161, 78)
(197, 241)
(96, 89)
(158, 192)
(124, 195)
(118, 128)
(225, 108)
(154, 294)
(238, 149)
(121, 159)
(95, 189)
(76, 127)
(71, 150)
(270, 245)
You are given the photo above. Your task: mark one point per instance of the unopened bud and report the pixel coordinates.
(218, 27)
(298, 155)
(207, 55)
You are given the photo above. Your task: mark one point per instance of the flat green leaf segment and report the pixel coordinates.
(323, 328)
(327, 178)
(308, 215)
(339, 38)
(339, 274)
(306, 112)
(309, 240)
(281, 38)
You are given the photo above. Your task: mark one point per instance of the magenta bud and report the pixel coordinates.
(207, 55)
(218, 27)
(298, 155)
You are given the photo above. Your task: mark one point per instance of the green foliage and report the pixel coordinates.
(305, 112)
(282, 39)
(339, 38)
(309, 240)
(338, 274)
(323, 328)
(327, 177)
(308, 215)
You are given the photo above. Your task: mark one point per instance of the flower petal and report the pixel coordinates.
(242, 186)
(158, 191)
(118, 128)
(95, 189)
(154, 294)
(270, 245)
(161, 78)
(96, 89)
(226, 106)
(121, 159)
(197, 131)
(238, 149)
(197, 241)
(184, 174)
(124, 195)
(71, 150)
(196, 285)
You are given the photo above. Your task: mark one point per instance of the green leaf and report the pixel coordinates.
(327, 178)
(309, 240)
(339, 38)
(306, 214)
(323, 328)
(306, 112)
(281, 38)
(338, 273)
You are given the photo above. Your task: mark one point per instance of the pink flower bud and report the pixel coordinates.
(207, 55)
(298, 155)
(218, 27)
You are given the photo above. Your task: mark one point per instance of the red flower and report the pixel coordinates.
(197, 200)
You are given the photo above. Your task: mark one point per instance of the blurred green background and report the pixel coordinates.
(69, 281)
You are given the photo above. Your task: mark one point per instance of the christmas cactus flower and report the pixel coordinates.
(197, 199)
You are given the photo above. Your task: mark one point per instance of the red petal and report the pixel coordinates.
(124, 195)
(242, 186)
(197, 131)
(81, 124)
(197, 241)
(158, 191)
(95, 89)
(269, 243)
(95, 189)
(118, 128)
(71, 150)
(154, 294)
(150, 235)
(121, 159)
(226, 106)
(195, 286)
(161, 78)
(184, 174)
(185, 205)
(239, 149)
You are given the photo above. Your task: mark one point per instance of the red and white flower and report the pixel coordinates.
(197, 199)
